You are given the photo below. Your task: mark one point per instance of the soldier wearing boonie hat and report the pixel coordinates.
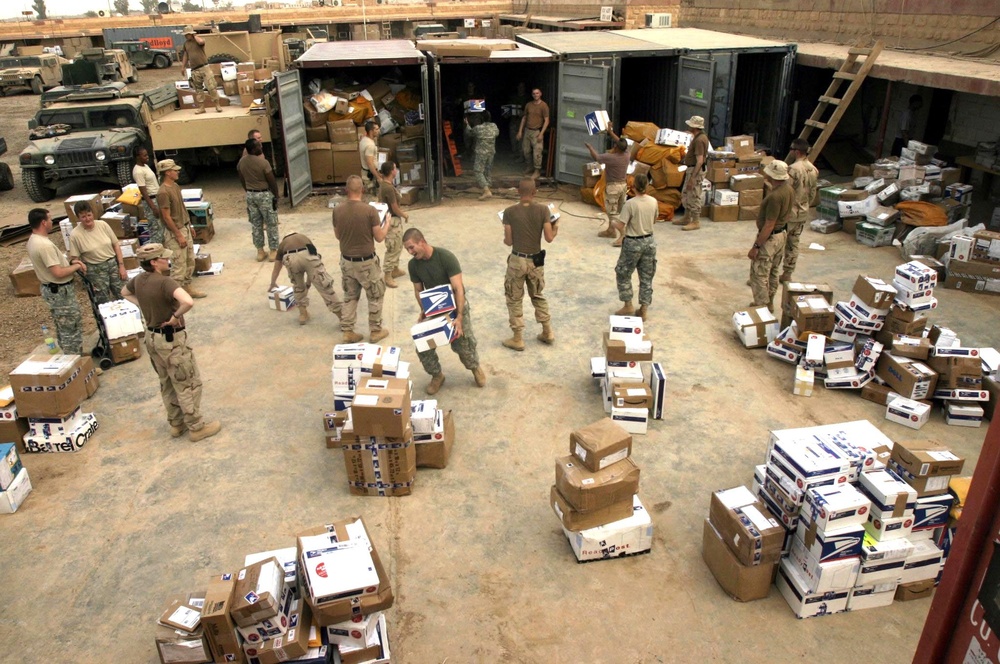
(202, 80)
(768, 249)
(692, 192)
(163, 303)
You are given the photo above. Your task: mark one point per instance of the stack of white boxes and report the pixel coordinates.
(632, 385)
(961, 372)
(437, 328)
(595, 495)
(49, 390)
(124, 325)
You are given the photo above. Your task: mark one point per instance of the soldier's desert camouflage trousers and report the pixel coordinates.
(301, 265)
(355, 277)
(180, 382)
(393, 244)
(765, 270)
(66, 316)
(520, 272)
(636, 254)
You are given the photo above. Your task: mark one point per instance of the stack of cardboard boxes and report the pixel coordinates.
(737, 186)
(437, 328)
(632, 385)
(320, 601)
(48, 390)
(974, 262)
(595, 495)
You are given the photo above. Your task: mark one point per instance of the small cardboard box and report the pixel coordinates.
(434, 449)
(833, 507)
(746, 182)
(600, 444)
(335, 570)
(93, 200)
(24, 280)
(751, 197)
(220, 630)
(381, 407)
(908, 412)
(409, 195)
(633, 420)
(926, 458)
(257, 593)
(874, 293)
(742, 145)
(586, 491)
(575, 520)
(909, 378)
(292, 645)
(16, 493)
(343, 132)
(412, 173)
(906, 592)
(746, 526)
(741, 582)
(625, 328)
(48, 386)
(724, 212)
(725, 197)
(812, 313)
(281, 298)
(437, 301)
(755, 327)
(629, 536)
(126, 349)
(632, 396)
(618, 352)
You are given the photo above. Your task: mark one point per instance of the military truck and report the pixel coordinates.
(88, 132)
(142, 54)
(6, 176)
(37, 72)
(111, 64)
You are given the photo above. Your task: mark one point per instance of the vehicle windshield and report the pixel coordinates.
(20, 62)
(104, 118)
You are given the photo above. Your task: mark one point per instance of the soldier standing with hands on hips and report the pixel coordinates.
(163, 303)
(261, 190)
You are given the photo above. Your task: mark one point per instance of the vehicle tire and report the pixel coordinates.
(31, 178)
(222, 57)
(123, 173)
(134, 77)
(161, 62)
(117, 75)
(36, 85)
(6, 177)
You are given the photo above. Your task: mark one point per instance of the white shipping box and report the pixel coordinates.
(756, 327)
(880, 571)
(836, 506)
(337, 570)
(629, 536)
(823, 577)
(423, 414)
(121, 319)
(725, 197)
(281, 298)
(285, 556)
(909, 413)
(432, 333)
(354, 633)
(657, 385)
(872, 596)
(963, 414)
(872, 549)
(887, 527)
(633, 420)
(66, 442)
(923, 562)
(794, 588)
(626, 328)
(14, 496)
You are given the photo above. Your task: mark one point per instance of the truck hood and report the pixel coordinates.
(86, 140)
(17, 71)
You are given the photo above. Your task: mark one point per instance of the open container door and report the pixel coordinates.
(583, 88)
(695, 82)
(293, 136)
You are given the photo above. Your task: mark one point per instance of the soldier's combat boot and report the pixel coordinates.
(178, 431)
(480, 376)
(626, 310)
(642, 311)
(378, 334)
(207, 431)
(486, 194)
(546, 337)
(303, 315)
(437, 381)
(389, 281)
(516, 342)
(397, 273)
(693, 226)
(608, 232)
(261, 255)
(352, 337)
(785, 277)
(271, 255)
(194, 292)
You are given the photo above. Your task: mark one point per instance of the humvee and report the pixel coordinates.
(82, 133)
(112, 65)
(143, 55)
(37, 72)
(6, 176)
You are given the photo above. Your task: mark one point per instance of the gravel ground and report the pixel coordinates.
(21, 318)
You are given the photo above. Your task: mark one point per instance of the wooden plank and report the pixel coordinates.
(846, 75)
(818, 125)
(858, 51)
(829, 100)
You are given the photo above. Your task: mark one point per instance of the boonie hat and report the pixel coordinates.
(153, 250)
(696, 122)
(776, 170)
(167, 165)
(189, 30)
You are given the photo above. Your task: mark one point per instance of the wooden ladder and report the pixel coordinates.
(386, 30)
(839, 104)
(456, 162)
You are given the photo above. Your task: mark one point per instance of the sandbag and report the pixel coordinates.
(666, 211)
(658, 176)
(637, 131)
(921, 213)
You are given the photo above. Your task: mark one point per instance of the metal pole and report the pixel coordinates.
(884, 121)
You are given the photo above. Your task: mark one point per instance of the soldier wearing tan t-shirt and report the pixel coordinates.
(56, 276)
(149, 187)
(261, 189)
(358, 227)
(177, 227)
(768, 249)
(202, 80)
(534, 122)
(93, 242)
(524, 225)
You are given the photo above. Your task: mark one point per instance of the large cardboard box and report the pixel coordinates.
(345, 163)
(586, 491)
(381, 407)
(48, 386)
(220, 630)
(746, 526)
(742, 145)
(755, 327)
(925, 458)
(813, 313)
(125, 349)
(293, 645)
(749, 212)
(627, 352)
(412, 173)
(909, 378)
(600, 444)
(24, 280)
(379, 466)
(794, 588)
(343, 132)
(630, 536)
(330, 613)
(575, 520)
(321, 162)
(741, 582)
(93, 200)
(724, 212)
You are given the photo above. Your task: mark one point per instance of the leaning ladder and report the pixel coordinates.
(865, 57)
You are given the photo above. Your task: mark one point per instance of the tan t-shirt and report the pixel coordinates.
(292, 242)
(388, 195)
(43, 255)
(145, 177)
(639, 214)
(698, 148)
(93, 246)
(196, 54)
(778, 206)
(536, 114)
(802, 177)
(526, 225)
(254, 169)
(367, 148)
(354, 222)
(155, 293)
(169, 198)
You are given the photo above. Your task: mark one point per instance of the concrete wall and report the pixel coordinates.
(973, 118)
(898, 22)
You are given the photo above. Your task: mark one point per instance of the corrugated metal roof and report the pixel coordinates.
(697, 39)
(360, 53)
(596, 42)
(523, 53)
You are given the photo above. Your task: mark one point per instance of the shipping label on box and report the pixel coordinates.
(335, 570)
(823, 577)
(600, 444)
(909, 413)
(793, 587)
(725, 197)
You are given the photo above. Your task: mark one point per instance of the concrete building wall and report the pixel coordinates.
(973, 118)
(898, 22)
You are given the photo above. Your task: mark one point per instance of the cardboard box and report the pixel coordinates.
(180, 615)
(125, 349)
(909, 378)
(830, 544)
(174, 647)
(632, 396)
(724, 212)
(812, 313)
(379, 466)
(48, 386)
(381, 407)
(586, 491)
(741, 582)
(657, 386)
(412, 173)
(629, 536)
(432, 333)
(343, 132)
(436, 449)
(293, 645)
(220, 630)
(725, 197)
(437, 301)
(749, 212)
(14, 496)
(822, 577)
(794, 588)
(927, 458)
(872, 596)
(986, 247)
(890, 496)
(93, 200)
(909, 413)
(963, 415)
(875, 294)
(633, 420)
(805, 379)
(720, 173)
(257, 593)
(742, 145)
(334, 570)
(619, 352)
(746, 526)
(281, 298)
(746, 182)
(317, 135)
(575, 520)
(321, 162)
(755, 327)
(24, 280)
(600, 444)
(69, 441)
(345, 164)
(906, 592)
(625, 328)
(751, 197)
(409, 195)
(832, 507)
(274, 627)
